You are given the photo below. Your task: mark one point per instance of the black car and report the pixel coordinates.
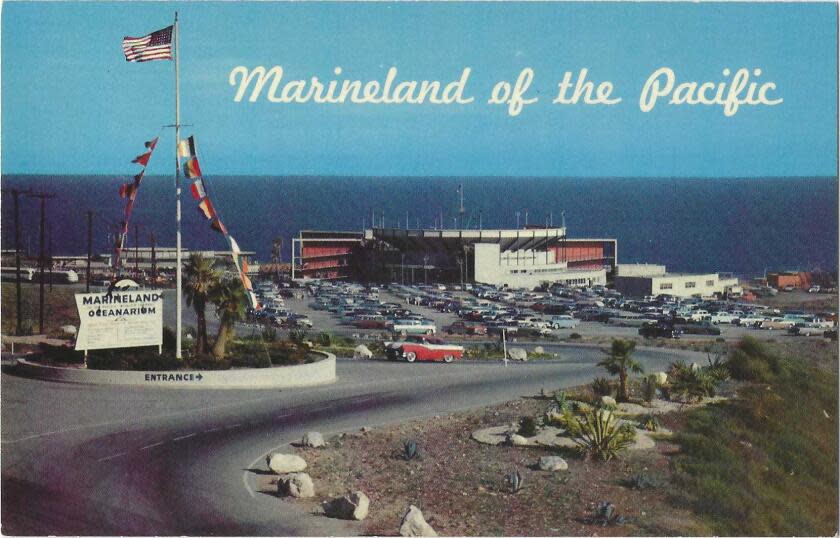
(659, 330)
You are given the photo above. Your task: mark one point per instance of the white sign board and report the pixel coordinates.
(130, 318)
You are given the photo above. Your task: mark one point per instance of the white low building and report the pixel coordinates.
(677, 285)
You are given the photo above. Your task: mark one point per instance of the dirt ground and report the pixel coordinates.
(460, 484)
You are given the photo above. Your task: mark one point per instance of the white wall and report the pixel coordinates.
(530, 272)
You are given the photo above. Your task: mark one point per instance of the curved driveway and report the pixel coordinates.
(94, 460)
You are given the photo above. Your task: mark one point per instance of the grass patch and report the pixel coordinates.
(59, 308)
(766, 462)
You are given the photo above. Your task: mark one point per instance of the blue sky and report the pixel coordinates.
(71, 104)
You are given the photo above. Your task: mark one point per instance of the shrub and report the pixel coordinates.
(560, 400)
(169, 338)
(605, 514)
(649, 388)
(640, 482)
(751, 360)
(297, 336)
(410, 450)
(60, 354)
(250, 360)
(527, 427)
(600, 436)
(575, 336)
(690, 383)
(324, 339)
(515, 481)
(650, 423)
(269, 333)
(601, 386)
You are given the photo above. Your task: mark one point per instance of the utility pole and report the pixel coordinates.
(49, 254)
(517, 220)
(89, 249)
(16, 198)
(154, 258)
(43, 196)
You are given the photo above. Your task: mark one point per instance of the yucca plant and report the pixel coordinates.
(601, 386)
(560, 400)
(651, 423)
(600, 436)
(515, 481)
(410, 450)
(649, 388)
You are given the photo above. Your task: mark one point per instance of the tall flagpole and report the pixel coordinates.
(177, 198)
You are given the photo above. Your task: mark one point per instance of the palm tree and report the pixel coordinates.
(200, 278)
(619, 361)
(231, 304)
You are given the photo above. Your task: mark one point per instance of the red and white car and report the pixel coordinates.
(423, 348)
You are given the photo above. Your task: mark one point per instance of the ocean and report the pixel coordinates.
(740, 225)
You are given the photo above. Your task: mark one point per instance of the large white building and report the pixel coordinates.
(518, 258)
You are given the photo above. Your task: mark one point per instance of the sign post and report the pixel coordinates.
(120, 318)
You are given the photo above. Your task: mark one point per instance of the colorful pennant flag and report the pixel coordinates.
(191, 168)
(206, 207)
(218, 226)
(142, 160)
(152, 143)
(186, 147)
(197, 189)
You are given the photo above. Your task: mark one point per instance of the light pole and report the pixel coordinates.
(425, 274)
(517, 220)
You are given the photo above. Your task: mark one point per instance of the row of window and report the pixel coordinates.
(687, 285)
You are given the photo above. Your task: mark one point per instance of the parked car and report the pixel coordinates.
(423, 349)
(563, 322)
(700, 328)
(807, 330)
(659, 330)
(413, 326)
(459, 327)
(722, 317)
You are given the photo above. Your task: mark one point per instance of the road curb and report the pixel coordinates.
(301, 375)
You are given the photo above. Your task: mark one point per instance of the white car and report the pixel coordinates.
(751, 320)
(722, 317)
(564, 322)
(700, 315)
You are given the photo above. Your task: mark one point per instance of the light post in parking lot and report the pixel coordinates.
(504, 347)
(425, 264)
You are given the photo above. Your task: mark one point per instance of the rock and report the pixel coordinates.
(313, 440)
(285, 463)
(517, 440)
(352, 506)
(608, 401)
(553, 463)
(68, 329)
(517, 354)
(296, 485)
(365, 429)
(414, 524)
(694, 366)
(362, 352)
(539, 350)
(661, 378)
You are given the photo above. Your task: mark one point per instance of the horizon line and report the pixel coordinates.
(371, 176)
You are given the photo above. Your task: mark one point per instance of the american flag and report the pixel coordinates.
(155, 46)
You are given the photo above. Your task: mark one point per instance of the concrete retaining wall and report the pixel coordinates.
(301, 375)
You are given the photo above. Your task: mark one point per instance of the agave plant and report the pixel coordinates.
(651, 423)
(560, 400)
(601, 437)
(410, 450)
(605, 514)
(515, 481)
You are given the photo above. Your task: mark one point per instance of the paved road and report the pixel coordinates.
(108, 460)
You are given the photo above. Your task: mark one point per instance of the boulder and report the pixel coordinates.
(661, 378)
(414, 524)
(285, 463)
(517, 354)
(296, 485)
(608, 401)
(362, 352)
(69, 329)
(552, 463)
(313, 440)
(352, 506)
(539, 350)
(517, 440)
